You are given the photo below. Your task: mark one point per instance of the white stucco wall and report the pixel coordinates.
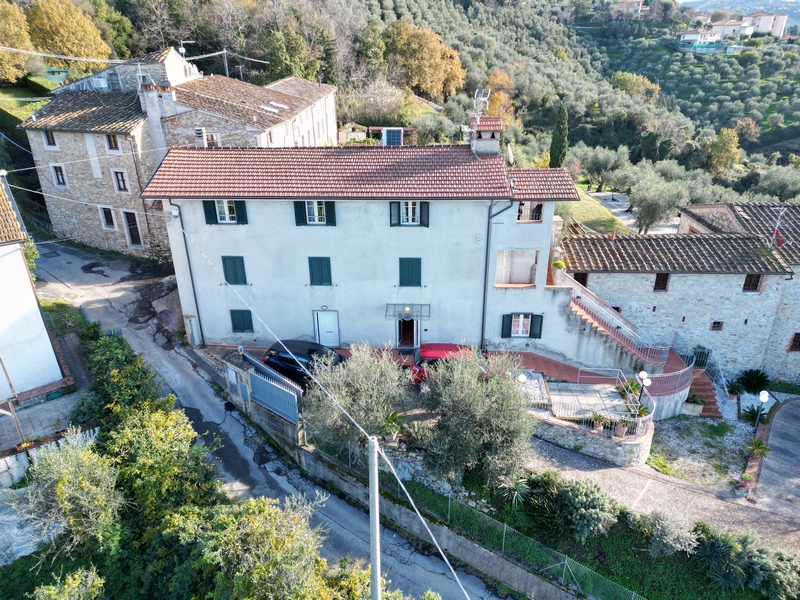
(24, 344)
(690, 305)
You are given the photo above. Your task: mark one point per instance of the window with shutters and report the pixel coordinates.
(752, 283)
(795, 344)
(241, 321)
(315, 212)
(411, 213)
(516, 268)
(662, 281)
(525, 325)
(319, 270)
(225, 212)
(410, 272)
(233, 269)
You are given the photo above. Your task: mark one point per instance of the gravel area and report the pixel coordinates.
(701, 450)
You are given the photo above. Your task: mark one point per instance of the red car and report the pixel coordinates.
(429, 354)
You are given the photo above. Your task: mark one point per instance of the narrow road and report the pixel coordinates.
(111, 294)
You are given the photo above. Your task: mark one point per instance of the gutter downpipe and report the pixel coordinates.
(486, 266)
(191, 273)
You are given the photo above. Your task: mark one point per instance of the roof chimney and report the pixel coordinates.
(485, 138)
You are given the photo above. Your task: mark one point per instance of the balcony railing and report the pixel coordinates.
(667, 384)
(620, 329)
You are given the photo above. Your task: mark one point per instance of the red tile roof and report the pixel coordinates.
(10, 230)
(339, 172)
(302, 88)
(543, 184)
(486, 124)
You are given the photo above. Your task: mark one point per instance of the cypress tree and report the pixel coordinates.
(558, 143)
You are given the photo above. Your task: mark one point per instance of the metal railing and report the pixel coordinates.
(667, 384)
(710, 364)
(620, 329)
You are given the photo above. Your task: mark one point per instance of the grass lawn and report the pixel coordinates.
(595, 216)
(19, 109)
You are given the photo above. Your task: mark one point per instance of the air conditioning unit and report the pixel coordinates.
(200, 136)
(392, 136)
(99, 83)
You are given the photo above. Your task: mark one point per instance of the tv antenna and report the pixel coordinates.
(480, 101)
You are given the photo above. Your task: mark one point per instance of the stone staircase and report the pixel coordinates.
(703, 386)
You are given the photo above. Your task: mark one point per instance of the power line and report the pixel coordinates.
(17, 145)
(105, 61)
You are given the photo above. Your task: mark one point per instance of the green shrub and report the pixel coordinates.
(757, 448)
(89, 407)
(586, 509)
(542, 506)
(121, 376)
(751, 413)
(753, 380)
(667, 536)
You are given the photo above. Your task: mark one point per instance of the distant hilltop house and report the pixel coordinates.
(100, 139)
(735, 29)
(772, 23)
(27, 350)
(700, 36)
(703, 41)
(725, 283)
(628, 7)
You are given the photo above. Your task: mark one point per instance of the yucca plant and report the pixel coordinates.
(757, 448)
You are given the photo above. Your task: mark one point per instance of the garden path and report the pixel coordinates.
(778, 488)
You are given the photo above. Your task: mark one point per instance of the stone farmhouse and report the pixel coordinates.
(725, 282)
(101, 138)
(26, 348)
(405, 245)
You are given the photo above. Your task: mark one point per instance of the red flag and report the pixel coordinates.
(778, 238)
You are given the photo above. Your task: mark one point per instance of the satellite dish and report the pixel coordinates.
(510, 154)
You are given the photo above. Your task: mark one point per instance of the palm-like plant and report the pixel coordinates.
(757, 448)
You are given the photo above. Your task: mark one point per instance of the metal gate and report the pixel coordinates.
(269, 392)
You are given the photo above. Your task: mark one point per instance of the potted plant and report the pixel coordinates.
(599, 422)
(693, 405)
(392, 426)
(641, 411)
(558, 264)
(742, 489)
(734, 389)
(28, 443)
(622, 426)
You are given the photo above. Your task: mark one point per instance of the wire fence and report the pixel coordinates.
(66, 321)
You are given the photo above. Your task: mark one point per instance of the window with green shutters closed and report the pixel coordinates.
(522, 325)
(410, 272)
(225, 212)
(241, 321)
(319, 270)
(233, 269)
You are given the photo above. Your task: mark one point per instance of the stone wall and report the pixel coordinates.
(88, 165)
(179, 130)
(621, 453)
(779, 361)
(690, 305)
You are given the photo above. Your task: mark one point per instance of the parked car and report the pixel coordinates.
(306, 353)
(430, 354)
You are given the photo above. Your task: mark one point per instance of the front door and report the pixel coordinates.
(407, 334)
(326, 324)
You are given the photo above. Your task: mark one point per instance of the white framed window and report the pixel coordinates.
(212, 140)
(50, 141)
(59, 176)
(107, 218)
(315, 212)
(120, 179)
(409, 212)
(226, 211)
(132, 230)
(112, 144)
(520, 325)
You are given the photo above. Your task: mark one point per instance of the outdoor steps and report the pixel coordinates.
(704, 387)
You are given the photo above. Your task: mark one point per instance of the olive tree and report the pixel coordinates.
(482, 420)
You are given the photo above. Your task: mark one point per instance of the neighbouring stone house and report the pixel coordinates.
(26, 348)
(723, 288)
(98, 142)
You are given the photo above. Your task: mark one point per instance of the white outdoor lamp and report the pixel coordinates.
(763, 397)
(646, 382)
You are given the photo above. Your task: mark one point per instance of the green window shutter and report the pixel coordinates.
(424, 210)
(241, 321)
(536, 326)
(394, 214)
(411, 272)
(241, 212)
(506, 332)
(233, 269)
(330, 214)
(210, 208)
(300, 213)
(319, 270)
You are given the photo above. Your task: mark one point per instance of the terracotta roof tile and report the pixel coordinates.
(699, 253)
(486, 124)
(10, 230)
(302, 88)
(101, 112)
(334, 172)
(259, 107)
(157, 56)
(760, 219)
(543, 184)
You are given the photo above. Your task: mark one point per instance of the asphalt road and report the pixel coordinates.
(110, 294)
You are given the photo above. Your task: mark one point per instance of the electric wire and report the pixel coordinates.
(83, 160)
(4, 136)
(106, 61)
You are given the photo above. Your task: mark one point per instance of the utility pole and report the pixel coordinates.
(374, 520)
(241, 71)
(225, 60)
(11, 412)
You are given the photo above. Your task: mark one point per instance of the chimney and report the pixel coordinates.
(200, 137)
(485, 138)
